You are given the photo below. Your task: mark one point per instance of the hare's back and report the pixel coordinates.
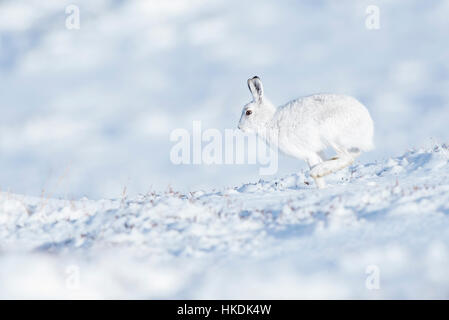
(320, 108)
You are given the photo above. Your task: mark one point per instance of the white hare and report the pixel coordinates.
(304, 128)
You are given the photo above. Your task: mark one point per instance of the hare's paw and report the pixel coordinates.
(330, 166)
(321, 170)
(320, 183)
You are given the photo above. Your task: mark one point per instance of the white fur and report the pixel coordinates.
(304, 128)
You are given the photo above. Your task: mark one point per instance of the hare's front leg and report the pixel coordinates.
(314, 160)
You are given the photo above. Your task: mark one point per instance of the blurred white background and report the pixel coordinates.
(89, 111)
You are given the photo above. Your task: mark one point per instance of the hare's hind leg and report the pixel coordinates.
(313, 161)
(343, 159)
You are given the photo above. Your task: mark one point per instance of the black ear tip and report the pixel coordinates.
(255, 77)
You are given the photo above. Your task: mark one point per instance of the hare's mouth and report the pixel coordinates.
(243, 129)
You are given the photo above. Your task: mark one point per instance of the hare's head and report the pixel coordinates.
(259, 111)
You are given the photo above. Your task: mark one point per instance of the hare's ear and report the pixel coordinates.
(256, 88)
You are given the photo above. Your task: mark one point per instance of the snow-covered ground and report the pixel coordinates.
(87, 112)
(380, 230)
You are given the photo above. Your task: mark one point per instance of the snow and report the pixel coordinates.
(86, 117)
(278, 238)
(87, 112)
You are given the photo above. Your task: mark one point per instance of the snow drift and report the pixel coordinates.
(271, 239)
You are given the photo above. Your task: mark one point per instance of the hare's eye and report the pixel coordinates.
(248, 112)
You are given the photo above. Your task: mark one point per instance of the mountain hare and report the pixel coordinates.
(305, 127)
